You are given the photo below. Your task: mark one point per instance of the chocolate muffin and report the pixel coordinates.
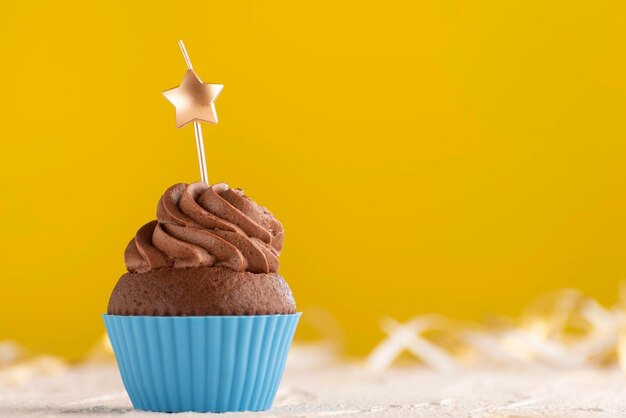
(211, 251)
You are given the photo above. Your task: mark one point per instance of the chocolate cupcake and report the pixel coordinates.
(202, 321)
(211, 251)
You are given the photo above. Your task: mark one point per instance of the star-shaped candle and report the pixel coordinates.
(195, 102)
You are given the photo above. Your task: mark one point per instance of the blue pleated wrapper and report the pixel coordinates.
(201, 363)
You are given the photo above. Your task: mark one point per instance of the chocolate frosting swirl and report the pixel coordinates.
(200, 225)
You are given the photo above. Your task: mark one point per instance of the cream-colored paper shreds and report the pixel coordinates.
(563, 329)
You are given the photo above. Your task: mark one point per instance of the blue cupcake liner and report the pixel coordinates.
(201, 363)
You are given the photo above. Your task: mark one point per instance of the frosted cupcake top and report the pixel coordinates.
(199, 225)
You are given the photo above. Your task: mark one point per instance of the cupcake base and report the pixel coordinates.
(201, 363)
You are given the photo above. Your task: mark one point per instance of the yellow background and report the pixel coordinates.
(424, 156)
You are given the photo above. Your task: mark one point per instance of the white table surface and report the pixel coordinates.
(326, 388)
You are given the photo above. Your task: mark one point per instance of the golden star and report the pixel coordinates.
(194, 100)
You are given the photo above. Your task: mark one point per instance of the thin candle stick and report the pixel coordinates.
(184, 51)
(197, 128)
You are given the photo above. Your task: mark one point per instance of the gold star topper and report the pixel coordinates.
(194, 101)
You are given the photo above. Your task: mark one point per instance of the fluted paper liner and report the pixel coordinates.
(201, 363)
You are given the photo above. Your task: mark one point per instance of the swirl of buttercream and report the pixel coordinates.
(201, 225)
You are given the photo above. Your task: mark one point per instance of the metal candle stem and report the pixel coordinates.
(197, 128)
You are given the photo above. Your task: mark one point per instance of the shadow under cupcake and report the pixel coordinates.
(202, 321)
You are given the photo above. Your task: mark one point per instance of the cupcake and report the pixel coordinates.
(202, 321)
